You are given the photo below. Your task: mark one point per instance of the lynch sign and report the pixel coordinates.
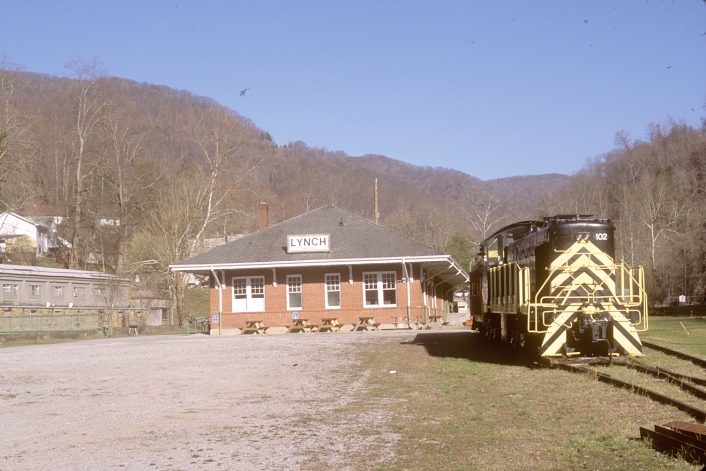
(308, 243)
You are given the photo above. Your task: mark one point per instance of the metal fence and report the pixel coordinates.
(100, 322)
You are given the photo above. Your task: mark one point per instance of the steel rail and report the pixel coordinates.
(691, 379)
(684, 356)
(698, 414)
(679, 439)
(676, 379)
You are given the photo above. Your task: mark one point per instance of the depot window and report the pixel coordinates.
(333, 291)
(294, 291)
(248, 293)
(380, 289)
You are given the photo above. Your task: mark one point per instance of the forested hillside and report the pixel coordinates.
(142, 174)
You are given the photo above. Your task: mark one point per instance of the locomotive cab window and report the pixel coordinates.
(493, 252)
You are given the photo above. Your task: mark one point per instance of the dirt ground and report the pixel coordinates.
(286, 402)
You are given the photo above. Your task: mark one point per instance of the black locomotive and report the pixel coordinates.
(554, 287)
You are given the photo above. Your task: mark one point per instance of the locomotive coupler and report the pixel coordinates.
(591, 335)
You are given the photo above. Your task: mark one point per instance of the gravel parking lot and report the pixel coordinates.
(295, 401)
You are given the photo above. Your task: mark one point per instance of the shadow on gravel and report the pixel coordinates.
(469, 346)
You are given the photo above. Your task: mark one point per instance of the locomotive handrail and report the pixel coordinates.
(642, 296)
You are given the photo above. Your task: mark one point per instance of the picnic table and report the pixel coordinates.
(403, 322)
(366, 323)
(435, 319)
(301, 325)
(330, 323)
(254, 327)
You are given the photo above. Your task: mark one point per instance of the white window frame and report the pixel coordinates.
(382, 279)
(329, 282)
(254, 294)
(294, 286)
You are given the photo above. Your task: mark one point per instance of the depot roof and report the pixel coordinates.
(352, 241)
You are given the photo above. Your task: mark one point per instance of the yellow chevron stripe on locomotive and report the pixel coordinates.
(587, 290)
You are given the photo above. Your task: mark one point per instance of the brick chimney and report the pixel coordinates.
(262, 216)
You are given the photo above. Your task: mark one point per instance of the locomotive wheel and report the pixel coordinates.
(487, 328)
(489, 333)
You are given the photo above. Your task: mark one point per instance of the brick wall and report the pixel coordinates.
(313, 296)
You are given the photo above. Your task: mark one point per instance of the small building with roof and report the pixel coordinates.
(46, 299)
(326, 263)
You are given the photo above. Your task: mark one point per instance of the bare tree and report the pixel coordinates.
(229, 153)
(309, 188)
(126, 144)
(89, 109)
(189, 202)
(423, 223)
(169, 234)
(16, 141)
(485, 211)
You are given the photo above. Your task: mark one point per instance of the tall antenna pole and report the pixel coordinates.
(376, 202)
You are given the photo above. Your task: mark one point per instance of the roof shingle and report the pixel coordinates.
(351, 237)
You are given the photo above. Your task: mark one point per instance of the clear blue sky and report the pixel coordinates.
(492, 88)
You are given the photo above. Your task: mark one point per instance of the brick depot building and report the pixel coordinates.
(326, 263)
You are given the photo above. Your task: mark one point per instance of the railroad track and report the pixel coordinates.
(691, 384)
(673, 437)
(684, 356)
(697, 413)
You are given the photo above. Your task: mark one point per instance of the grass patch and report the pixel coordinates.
(671, 332)
(158, 330)
(25, 342)
(462, 405)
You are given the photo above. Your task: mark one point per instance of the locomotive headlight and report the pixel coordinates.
(582, 237)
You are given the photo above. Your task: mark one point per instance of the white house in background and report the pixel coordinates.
(14, 226)
(40, 232)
